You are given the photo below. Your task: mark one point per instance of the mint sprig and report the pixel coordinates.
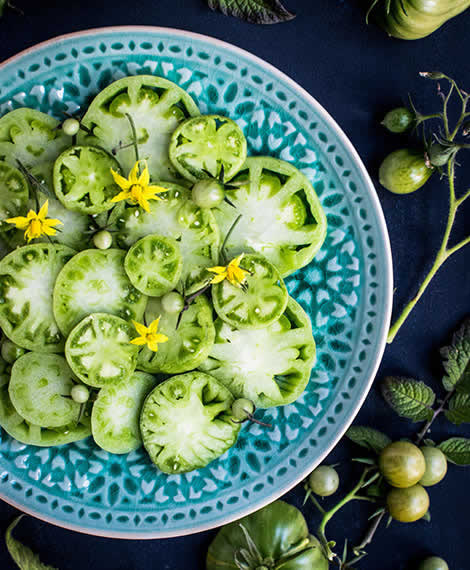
(254, 11)
(410, 398)
(457, 450)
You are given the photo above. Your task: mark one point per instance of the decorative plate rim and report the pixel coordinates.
(388, 278)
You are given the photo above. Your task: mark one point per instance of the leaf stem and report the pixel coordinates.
(421, 434)
(134, 137)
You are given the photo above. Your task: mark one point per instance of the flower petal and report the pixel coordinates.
(140, 328)
(161, 338)
(153, 327)
(121, 196)
(217, 269)
(20, 222)
(144, 178)
(156, 189)
(218, 278)
(134, 175)
(143, 203)
(42, 214)
(120, 180)
(140, 340)
(153, 346)
(48, 231)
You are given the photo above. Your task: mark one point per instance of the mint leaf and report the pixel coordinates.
(457, 360)
(459, 409)
(411, 399)
(21, 554)
(370, 438)
(254, 11)
(457, 450)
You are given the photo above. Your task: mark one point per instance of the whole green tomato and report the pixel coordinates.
(11, 351)
(323, 481)
(402, 464)
(433, 563)
(436, 466)
(408, 505)
(404, 171)
(281, 538)
(398, 120)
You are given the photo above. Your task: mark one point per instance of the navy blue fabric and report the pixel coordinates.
(357, 73)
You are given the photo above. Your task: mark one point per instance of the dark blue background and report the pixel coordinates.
(357, 73)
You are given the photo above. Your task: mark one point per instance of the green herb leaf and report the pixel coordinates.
(2, 6)
(409, 398)
(457, 360)
(254, 11)
(21, 554)
(369, 438)
(459, 409)
(457, 450)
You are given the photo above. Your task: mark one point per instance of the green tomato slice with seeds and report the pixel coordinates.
(176, 217)
(94, 281)
(32, 138)
(116, 413)
(83, 181)
(98, 350)
(187, 346)
(27, 278)
(203, 146)
(156, 107)
(13, 194)
(269, 366)
(186, 422)
(259, 302)
(39, 388)
(30, 434)
(153, 264)
(281, 216)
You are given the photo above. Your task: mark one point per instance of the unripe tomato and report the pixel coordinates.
(398, 120)
(436, 466)
(408, 505)
(402, 464)
(324, 481)
(208, 193)
(404, 171)
(433, 563)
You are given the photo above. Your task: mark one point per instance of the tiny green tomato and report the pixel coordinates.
(80, 393)
(433, 563)
(398, 120)
(404, 171)
(70, 127)
(172, 302)
(242, 409)
(436, 466)
(208, 193)
(324, 481)
(103, 239)
(408, 505)
(11, 351)
(402, 464)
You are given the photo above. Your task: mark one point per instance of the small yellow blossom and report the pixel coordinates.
(35, 225)
(136, 188)
(232, 272)
(149, 335)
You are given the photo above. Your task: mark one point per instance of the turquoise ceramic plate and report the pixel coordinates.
(346, 291)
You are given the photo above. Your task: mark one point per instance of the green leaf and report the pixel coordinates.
(369, 438)
(409, 398)
(457, 450)
(254, 11)
(457, 360)
(459, 409)
(21, 554)
(2, 6)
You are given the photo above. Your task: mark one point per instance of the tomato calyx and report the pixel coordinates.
(243, 410)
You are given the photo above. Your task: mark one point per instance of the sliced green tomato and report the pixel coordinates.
(32, 138)
(176, 217)
(281, 216)
(257, 304)
(203, 146)
(94, 281)
(186, 422)
(13, 194)
(31, 434)
(269, 366)
(156, 107)
(27, 277)
(83, 181)
(187, 346)
(98, 350)
(153, 264)
(116, 413)
(40, 387)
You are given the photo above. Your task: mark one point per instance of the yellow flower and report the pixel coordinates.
(149, 335)
(232, 272)
(136, 188)
(35, 225)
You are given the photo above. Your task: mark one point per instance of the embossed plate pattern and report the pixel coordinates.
(346, 291)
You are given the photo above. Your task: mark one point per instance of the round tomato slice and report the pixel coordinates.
(281, 216)
(209, 145)
(186, 422)
(258, 302)
(270, 366)
(153, 106)
(13, 194)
